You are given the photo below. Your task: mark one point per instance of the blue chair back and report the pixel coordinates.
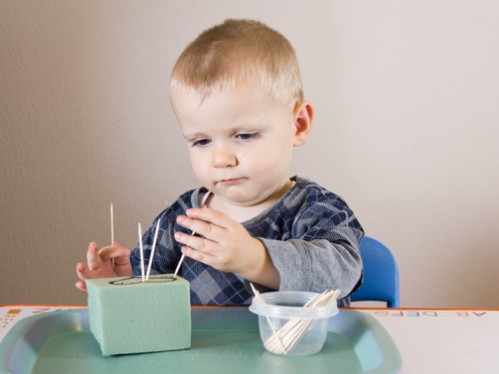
(381, 274)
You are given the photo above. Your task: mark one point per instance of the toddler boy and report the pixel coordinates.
(237, 94)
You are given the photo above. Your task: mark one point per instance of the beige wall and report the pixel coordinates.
(406, 97)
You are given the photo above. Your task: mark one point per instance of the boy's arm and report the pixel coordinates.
(262, 269)
(318, 264)
(313, 240)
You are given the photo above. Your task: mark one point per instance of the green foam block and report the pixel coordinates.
(129, 316)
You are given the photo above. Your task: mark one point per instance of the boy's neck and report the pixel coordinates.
(245, 213)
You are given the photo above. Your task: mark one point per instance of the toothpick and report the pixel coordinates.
(112, 224)
(141, 254)
(262, 300)
(151, 256)
(180, 262)
(203, 202)
(178, 266)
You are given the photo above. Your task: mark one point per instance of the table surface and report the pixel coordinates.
(443, 340)
(429, 340)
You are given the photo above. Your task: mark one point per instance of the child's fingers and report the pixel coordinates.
(204, 228)
(198, 243)
(80, 270)
(81, 286)
(198, 256)
(121, 255)
(210, 215)
(93, 259)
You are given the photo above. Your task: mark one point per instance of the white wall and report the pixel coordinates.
(406, 130)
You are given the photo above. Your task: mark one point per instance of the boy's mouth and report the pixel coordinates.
(231, 181)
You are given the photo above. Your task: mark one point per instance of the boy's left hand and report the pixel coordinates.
(226, 245)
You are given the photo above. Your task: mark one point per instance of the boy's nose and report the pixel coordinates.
(224, 157)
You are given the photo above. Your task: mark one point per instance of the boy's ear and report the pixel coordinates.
(304, 114)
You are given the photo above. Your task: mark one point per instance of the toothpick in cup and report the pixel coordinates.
(262, 300)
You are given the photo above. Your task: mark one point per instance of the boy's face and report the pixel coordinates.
(240, 142)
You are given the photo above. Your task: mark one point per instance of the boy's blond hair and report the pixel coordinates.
(235, 52)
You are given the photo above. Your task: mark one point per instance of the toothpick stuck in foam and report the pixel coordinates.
(151, 256)
(141, 254)
(178, 266)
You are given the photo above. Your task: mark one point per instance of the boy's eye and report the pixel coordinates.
(200, 142)
(246, 135)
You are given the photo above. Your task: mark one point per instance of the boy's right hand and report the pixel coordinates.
(110, 261)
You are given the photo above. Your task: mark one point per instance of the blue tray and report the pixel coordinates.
(224, 340)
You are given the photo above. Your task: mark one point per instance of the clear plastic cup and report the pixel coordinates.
(289, 328)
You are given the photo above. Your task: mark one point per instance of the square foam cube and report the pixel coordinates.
(129, 316)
